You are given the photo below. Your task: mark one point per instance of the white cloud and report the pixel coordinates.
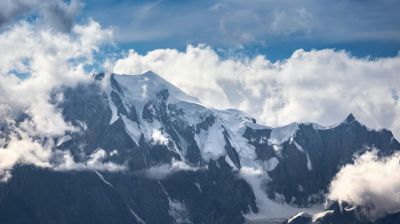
(164, 170)
(36, 61)
(323, 86)
(23, 150)
(372, 182)
(159, 138)
(95, 161)
(49, 59)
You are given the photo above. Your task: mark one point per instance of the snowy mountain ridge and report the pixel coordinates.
(182, 160)
(139, 90)
(217, 133)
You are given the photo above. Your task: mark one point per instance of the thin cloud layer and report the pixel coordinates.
(163, 171)
(371, 182)
(226, 23)
(57, 14)
(322, 86)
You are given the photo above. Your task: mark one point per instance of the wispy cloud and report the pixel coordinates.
(228, 23)
(57, 14)
(164, 170)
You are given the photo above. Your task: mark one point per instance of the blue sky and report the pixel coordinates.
(366, 28)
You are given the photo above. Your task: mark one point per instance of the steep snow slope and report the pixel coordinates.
(148, 94)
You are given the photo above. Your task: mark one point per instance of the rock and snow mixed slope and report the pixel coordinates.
(185, 162)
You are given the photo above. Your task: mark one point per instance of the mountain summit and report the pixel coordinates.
(350, 118)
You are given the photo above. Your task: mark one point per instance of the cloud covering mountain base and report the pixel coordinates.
(372, 182)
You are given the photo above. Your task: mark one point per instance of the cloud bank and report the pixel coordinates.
(95, 161)
(372, 182)
(322, 86)
(36, 61)
(23, 149)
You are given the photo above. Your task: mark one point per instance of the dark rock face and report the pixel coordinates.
(41, 196)
(82, 197)
(213, 195)
(311, 157)
(210, 191)
(220, 197)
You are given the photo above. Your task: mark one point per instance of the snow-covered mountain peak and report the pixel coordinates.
(149, 86)
(148, 104)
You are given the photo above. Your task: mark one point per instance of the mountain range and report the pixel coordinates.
(167, 158)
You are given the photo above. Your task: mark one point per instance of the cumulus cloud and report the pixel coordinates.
(57, 14)
(37, 60)
(372, 182)
(163, 171)
(24, 150)
(322, 86)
